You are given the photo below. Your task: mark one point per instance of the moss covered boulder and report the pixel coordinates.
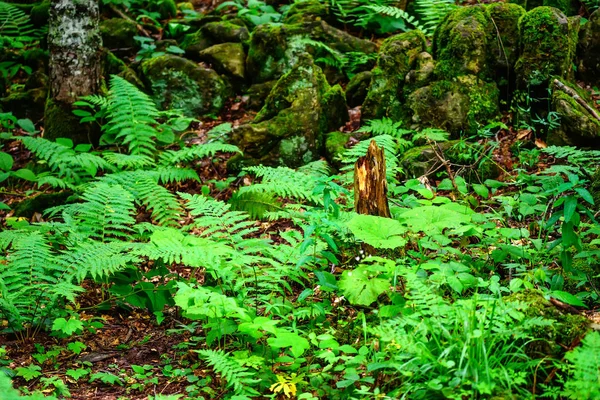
(177, 83)
(569, 7)
(118, 33)
(194, 43)
(504, 47)
(588, 50)
(577, 125)
(461, 105)
(290, 128)
(306, 11)
(258, 93)
(226, 58)
(225, 31)
(275, 49)
(461, 43)
(547, 44)
(397, 57)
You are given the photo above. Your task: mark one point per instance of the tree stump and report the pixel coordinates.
(370, 184)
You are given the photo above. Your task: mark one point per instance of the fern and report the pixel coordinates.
(144, 187)
(14, 23)
(586, 159)
(172, 157)
(256, 204)
(390, 148)
(400, 14)
(384, 126)
(97, 260)
(67, 163)
(32, 280)
(128, 161)
(106, 214)
(284, 182)
(585, 369)
(132, 117)
(431, 12)
(238, 378)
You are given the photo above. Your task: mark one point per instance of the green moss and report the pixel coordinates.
(577, 126)
(118, 33)
(185, 6)
(461, 42)
(59, 121)
(225, 32)
(306, 11)
(26, 104)
(227, 58)
(335, 145)
(40, 14)
(547, 42)
(564, 330)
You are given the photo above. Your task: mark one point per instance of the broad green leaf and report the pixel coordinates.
(4, 206)
(6, 161)
(29, 373)
(26, 125)
(585, 194)
(379, 232)
(569, 207)
(361, 286)
(26, 174)
(68, 327)
(481, 190)
(295, 342)
(567, 297)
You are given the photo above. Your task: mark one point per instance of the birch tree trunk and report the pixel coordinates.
(75, 66)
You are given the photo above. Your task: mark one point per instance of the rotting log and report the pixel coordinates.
(370, 184)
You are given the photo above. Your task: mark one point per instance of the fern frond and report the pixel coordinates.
(132, 117)
(172, 246)
(256, 204)
(431, 12)
(14, 23)
(217, 221)
(196, 152)
(284, 182)
(32, 279)
(585, 360)
(97, 260)
(316, 168)
(64, 161)
(46, 178)
(107, 212)
(128, 161)
(398, 13)
(587, 159)
(174, 174)
(238, 377)
(384, 126)
(146, 191)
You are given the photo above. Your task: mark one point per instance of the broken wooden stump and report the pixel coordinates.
(370, 184)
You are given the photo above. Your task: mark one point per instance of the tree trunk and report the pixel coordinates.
(75, 66)
(370, 185)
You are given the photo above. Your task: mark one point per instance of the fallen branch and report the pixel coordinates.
(576, 97)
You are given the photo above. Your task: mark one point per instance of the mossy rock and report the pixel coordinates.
(547, 44)
(577, 126)
(422, 74)
(115, 66)
(177, 83)
(118, 33)
(335, 146)
(562, 333)
(289, 130)
(194, 43)
(461, 43)
(307, 11)
(225, 31)
(26, 104)
(504, 46)
(357, 88)
(258, 93)
(226, 58)
(569, 7)
(397, 56)
(588, 51)
(458, 106)
(40, 13)
(274, 51)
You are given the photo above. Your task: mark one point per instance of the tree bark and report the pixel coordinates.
(75, 65)
(370, 184)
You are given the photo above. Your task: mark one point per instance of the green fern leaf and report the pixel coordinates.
(238, 378)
